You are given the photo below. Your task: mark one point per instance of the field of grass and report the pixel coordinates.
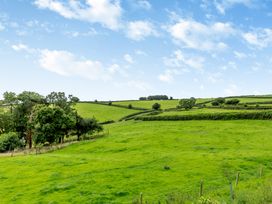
(102, 112)
(165, 104)
(197, 111)
(132, 159)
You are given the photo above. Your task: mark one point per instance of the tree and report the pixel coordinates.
(6, 123)
(156, 106)
(9, 141)
(187, 103)
(51, 124)
(23, 114)
(129, 106)
(10, 99)
(86, 125)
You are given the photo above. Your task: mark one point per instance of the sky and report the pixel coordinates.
(125, 49)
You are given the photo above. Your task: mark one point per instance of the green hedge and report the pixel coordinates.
(132, 116)
(9, 141)
(212, 116)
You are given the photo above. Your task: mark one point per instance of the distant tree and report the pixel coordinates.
(156, 106)
(142, 98)
(110, 103)
(129, 106)
(86, 125)
(215, 103)
(157, 97)
(171, 98)
(232, 102)
(10, 99)
(187, 103)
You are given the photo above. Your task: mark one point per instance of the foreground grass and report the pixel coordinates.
(102, 112)
(132, 159)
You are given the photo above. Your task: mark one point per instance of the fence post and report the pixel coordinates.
(141, 198)
(237, 178)
(231, 193)
(201, 188)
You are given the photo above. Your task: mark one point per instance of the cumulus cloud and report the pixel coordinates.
(196, 35)
(260, 38)
(239, 55)
(2, 27)
(105, 12)
(66, 64)
(138, 30)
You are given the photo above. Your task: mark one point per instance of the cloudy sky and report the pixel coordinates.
(124, 49)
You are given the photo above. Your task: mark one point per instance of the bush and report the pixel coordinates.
(110, 103)
(233, 102)
(187, 104)
(9, 141)
(129, 106)
(215, 103)
(156, 106)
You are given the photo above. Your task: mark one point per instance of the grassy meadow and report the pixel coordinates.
(164, 160)
(102, 112)
(133, 159)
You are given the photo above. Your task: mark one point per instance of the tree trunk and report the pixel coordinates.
(29, 139)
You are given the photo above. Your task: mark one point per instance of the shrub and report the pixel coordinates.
(129, 106)
(233, 102)
(9, 141)
(215, 103)
(156, 106)
(110, 103)
(187, 103)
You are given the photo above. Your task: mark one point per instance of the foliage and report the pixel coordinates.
(232, 102)
(6, 123)
(143, 98)
(129, 106)
(86, 125)
(10, 99)
(157, 97)
(187, 103)
(156, 106)
(51, 124)
(218, 101)
(9, 141)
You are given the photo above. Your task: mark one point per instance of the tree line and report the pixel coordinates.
(33, 118)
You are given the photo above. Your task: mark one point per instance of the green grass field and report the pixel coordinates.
(165, 104)
(102, 112)
(116, 168)
(197, 111)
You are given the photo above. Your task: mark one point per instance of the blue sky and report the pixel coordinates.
(124, 49)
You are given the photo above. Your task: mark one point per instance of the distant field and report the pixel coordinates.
(132, 159)
(165, 104)
(245, 100)
(204, 111)
(102, 112)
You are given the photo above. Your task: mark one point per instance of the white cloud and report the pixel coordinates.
(260, 38)
(138, 30)
(196, 35)
(65, 63)
(140, 52)
(22, 47)
(168, 75)
(178, 59)
(239, 55)
(105, 12)
(76, 34)
(223, 5)
(2, 27)
(215, 77)
(128, 59)
(144, 4)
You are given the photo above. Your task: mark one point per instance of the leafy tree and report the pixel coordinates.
(10, 99)
(157, 97)
(215, 103)
(187, 103)
(86, 125)
(23, 114)
(61, 100)
(142, 98)
(51, 124)
(156, 106)
(129, 106)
